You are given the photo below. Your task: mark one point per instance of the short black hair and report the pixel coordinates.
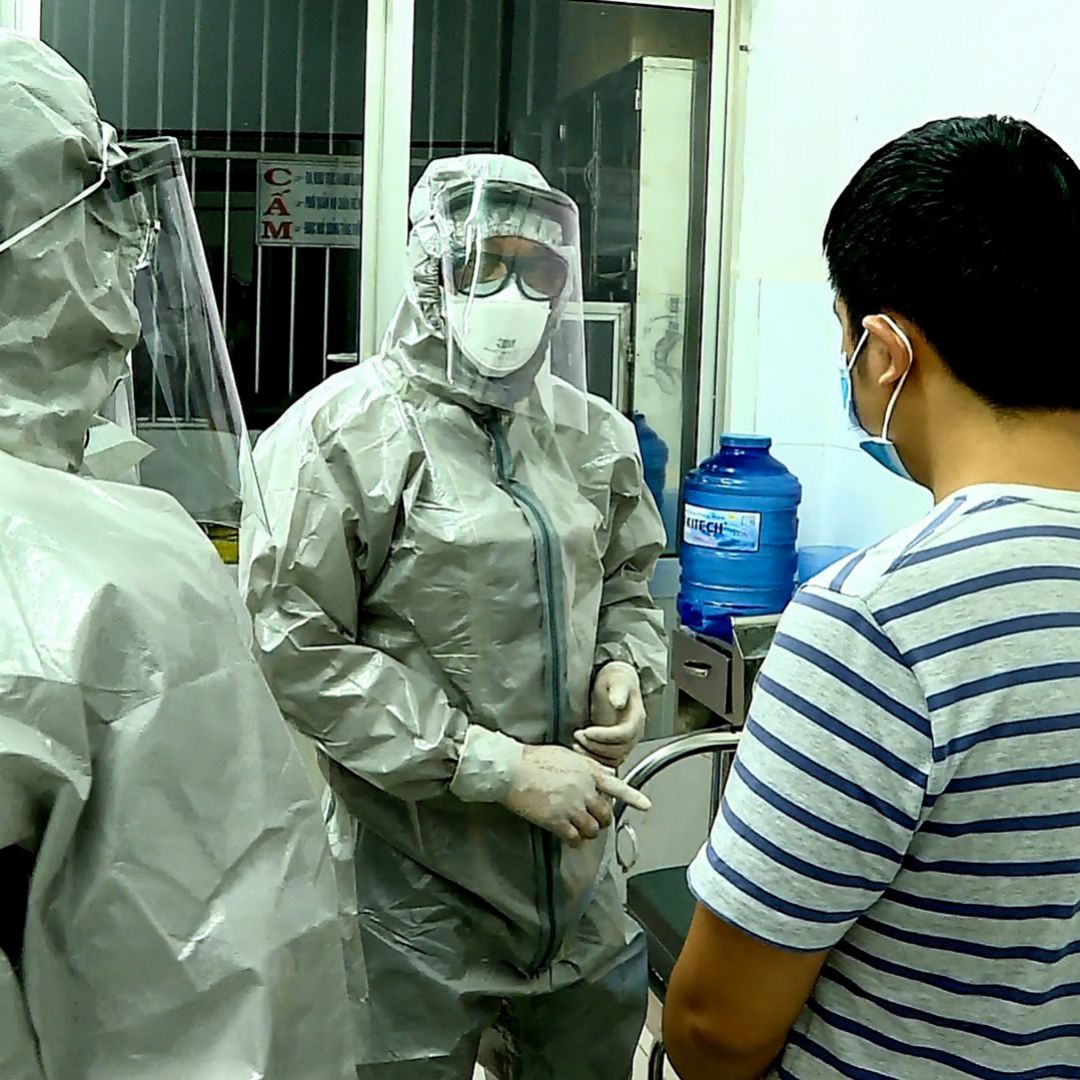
(970, 228)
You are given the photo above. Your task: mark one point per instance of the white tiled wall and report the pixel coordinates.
(821, 96)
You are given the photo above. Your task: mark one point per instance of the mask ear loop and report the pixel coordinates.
(41, 222)
(858, 349)
(903, 379)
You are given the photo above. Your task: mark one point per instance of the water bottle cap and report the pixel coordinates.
(745, 442)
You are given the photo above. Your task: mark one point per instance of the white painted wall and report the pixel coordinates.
(828, 83)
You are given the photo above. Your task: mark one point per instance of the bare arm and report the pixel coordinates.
(732, 1001)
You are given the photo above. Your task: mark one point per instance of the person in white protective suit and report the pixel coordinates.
(167, 898)
(452, 601)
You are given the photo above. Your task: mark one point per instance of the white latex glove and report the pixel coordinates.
(618, 715)
(549, 786)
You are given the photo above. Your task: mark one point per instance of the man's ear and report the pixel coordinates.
(892, 354)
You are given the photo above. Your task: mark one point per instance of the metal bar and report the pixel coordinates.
(227, 239)
(298, 115)
(466, 71)
(727, 764)
(678, 749)
(155, 389)
(505, 74)
(265, 89)
(499, 15)
(230, 74)
(716, 783)
(694, 5)
(292, 325)
(54, 41)
(126, 72)
(657, 1060)
(530, 66)
(433, 79)
(258, 314)
(298, 119)
(227, 245)
(331, 124)
(335, 30)
(195, 61)
(163, 18)
(326, 318)
(255, 155)
(187, 350)
(91, 34)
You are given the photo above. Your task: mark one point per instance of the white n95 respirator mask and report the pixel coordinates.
(499, 334)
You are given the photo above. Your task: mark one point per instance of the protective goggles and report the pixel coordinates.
(541, 273)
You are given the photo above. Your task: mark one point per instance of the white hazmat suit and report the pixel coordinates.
(447, 569)
(167, 909)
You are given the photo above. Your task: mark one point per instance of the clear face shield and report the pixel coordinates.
(511, 277)
(174, 422)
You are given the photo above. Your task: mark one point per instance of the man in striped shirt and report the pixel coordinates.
(892, 889)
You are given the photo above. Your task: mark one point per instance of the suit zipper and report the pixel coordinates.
(550, 574)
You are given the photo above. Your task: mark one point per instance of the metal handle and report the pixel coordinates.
(697, 670)
(626, 862)
(685, 746)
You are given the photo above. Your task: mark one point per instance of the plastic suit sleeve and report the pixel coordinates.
(331, 515)
(37, 773)
(631, 626)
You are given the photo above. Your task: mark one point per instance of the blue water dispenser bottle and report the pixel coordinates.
(737, 547)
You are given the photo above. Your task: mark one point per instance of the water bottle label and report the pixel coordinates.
(722, 530)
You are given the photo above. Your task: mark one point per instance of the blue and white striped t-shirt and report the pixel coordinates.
(907, 795)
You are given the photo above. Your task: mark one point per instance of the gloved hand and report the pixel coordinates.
(549, 786)
(618, 715)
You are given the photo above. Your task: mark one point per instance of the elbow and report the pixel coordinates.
(692, 1045)
(686, 1038)
(702, 1044)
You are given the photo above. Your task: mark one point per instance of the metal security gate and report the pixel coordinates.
(371, 90)
(239, 82)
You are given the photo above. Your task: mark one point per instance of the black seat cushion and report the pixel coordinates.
(662, 902)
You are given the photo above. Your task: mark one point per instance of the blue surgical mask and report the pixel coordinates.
(880, 447)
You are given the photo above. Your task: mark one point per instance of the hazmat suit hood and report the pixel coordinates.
(419, 333)
(67, 316)
(424, 283)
